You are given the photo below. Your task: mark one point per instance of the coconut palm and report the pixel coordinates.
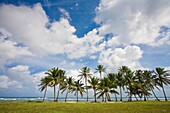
(120, 81)
(53, 73)
(100, 69)
(113, 78)
(151, 81)
(163, 77)
(60, 81)
(128, 77)
(78, 88)
(94, 82)
(67, 85)
(85, 74)
(105, 88)
(45, 82)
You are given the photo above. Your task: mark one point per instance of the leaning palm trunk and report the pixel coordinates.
(58, 93)
(66, 96)
(136, 97)
(163, 91)
(115, 97)
(102, 98)
(44, 94)
(155, 95)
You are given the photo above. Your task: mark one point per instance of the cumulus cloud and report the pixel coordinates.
(134, 22)
(30, 27)
(115, 58)
(18, 78)
(86, 45)
(11, 50)
(6, 82)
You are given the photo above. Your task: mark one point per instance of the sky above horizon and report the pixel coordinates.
(36, 35)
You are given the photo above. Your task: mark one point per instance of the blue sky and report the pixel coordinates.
(38, 35)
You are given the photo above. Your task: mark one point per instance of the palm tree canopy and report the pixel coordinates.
(106, 87)
(162, 75)
(67, 84)
(94, 82)
(78, 87)
(100, 68)
(85, 73)
(45, 82)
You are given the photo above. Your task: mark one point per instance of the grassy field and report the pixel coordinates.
(61, 107)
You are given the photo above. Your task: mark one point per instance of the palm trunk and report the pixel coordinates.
(100, 75)
(95, 95)
(44, 94)
(105, 97)
(66, 96)
(155, 95)
(144, 97)
(120, 93)
(136, 97)
(102, 98)
(86, 88)
(54, 93)
(77, 97)
(115, 97)
(130, 96)
(163, 91)
(58, 93)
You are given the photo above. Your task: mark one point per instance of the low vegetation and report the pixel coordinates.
(62, 107)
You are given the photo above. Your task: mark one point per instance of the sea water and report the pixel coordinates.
(69, 99)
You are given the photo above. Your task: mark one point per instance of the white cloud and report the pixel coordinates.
(19, 80)
(31, 28)
(65, 14)
(135, 22)
(73, 73)
(115, 58)
(11, 50)
(28, 26)
(6, 82)
(85, 46)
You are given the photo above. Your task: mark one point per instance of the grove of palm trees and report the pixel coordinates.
(138, 84)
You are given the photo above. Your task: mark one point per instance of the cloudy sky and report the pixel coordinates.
(36, 36)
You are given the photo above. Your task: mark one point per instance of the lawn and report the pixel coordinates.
(61, 107)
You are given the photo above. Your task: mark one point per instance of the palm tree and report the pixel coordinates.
(113, 78)
(78, 88)
(120, 81)
(100, 69)
(45, 82)
(67, 85)
(128, 75)
(105, 88)
(163, 77)
(85, 74)
(151, 81)
(53, 73)
(94, 82)
(60, 80)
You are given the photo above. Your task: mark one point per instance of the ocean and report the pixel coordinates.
(69, 99)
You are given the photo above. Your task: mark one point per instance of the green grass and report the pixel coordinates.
(61, 107)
